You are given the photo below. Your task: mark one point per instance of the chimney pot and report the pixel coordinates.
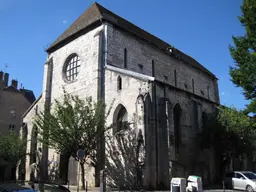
(15, 83)
(6, 79)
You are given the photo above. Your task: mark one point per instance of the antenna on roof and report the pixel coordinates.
(5, 67)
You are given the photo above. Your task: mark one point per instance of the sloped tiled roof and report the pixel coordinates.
(29, 95)
(97, 13)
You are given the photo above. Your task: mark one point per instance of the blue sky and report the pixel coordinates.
(201, 28)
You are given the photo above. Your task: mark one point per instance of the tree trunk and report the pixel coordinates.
(63, 168)
(13, 173)
(97, 174)
(82, 172)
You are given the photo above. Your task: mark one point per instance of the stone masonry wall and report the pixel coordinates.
(140, 53)
(139, 56)
(29, 120)
(86, 47)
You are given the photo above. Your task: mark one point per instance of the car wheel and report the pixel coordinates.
(249, 188)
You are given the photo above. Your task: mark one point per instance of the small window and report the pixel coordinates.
(153, 68)
(175, 77)
(125, 58)
(72, 67)
(193, 85)
(36, 110)
(11, 127)
(13, 113)
(119, 83)
(208, 92)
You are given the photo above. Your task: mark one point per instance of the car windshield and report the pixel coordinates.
(250, 175)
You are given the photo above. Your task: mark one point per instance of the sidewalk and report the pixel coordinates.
(214, 188)
(91, 189)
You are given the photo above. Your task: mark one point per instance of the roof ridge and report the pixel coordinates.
(92, 17)
(60, 38)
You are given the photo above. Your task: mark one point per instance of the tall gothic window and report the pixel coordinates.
(204, 120)
(33, 147)
(120, 118)
(177, 131)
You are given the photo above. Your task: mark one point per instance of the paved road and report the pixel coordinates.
(74, 189)
(97, 190)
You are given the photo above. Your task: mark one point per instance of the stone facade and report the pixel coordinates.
(167, 92)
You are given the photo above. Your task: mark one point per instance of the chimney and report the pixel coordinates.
(6, 79)
(15, 83)
(1, 79)
(1, 75)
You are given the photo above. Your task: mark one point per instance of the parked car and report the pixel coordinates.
(32, 187)
(241, 180)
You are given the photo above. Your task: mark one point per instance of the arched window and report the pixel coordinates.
(33, 145)
(177, 132)
(24, 131)
(120, 118)
(119, 83)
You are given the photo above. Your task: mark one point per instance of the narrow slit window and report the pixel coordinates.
(125, 58)
(153, 68)
(119, 83)
(175, 77)
(193, 85)
(208, 92)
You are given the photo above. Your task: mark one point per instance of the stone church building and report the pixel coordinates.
(105, 56)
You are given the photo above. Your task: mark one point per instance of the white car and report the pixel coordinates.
(241, 180)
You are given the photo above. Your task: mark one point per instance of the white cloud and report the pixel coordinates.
(222, 93)
(64, 21)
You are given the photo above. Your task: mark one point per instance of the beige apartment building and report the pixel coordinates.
(14, 101)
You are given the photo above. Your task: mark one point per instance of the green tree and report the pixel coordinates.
(243, 74)
(231, 132)
(12, 148)
(73, 124)
(239, 128)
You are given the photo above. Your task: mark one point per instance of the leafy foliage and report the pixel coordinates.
(235, 121)
(243, 74)
(73, 124)
(12, 148)
(231, 132)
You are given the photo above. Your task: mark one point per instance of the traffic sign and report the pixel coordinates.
(80, 154)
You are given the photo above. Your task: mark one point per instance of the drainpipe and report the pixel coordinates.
(155, 121)
(101, 87)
